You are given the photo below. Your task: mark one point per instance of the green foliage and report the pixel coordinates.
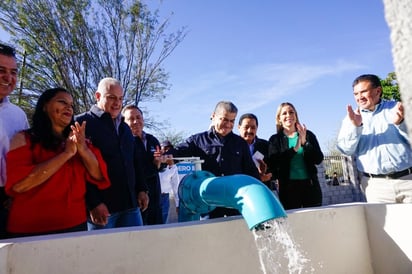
(75, 43)
(390, 88)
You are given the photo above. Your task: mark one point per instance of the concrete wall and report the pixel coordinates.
(347, 192)
(398, 14)
(355, 238)
(390, 251)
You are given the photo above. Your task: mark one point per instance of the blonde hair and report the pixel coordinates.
(279, 126)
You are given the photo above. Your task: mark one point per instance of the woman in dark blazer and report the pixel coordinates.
(294, 153)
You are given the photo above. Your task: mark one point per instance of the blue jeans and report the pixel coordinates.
(130, 217)
(165, 204)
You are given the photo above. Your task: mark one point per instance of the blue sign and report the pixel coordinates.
(184, 168)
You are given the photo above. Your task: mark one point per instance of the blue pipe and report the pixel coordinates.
(200, 192)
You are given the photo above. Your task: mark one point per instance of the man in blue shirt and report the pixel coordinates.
(375, 133)
(224, 153)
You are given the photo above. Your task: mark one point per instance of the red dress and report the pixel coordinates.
(58, 203)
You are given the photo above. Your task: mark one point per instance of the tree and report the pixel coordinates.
(331, 147)
(75, 43)
(173, 136)
(390, 88)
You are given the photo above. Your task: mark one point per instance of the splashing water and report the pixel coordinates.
(273, 240)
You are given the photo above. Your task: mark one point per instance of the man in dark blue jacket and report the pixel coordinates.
(248, 126)
(224, 153)
(149, 149)
(117, 206)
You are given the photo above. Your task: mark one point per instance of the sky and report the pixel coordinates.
(259, 54)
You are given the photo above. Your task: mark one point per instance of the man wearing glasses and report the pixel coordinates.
(224, 153)
(12, 120)
(118, 205)
(376, 134)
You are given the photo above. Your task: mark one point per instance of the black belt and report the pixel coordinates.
(394, 175)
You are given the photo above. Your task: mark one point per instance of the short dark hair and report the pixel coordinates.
(7, 50)
(131, 106)
(225, 106)
(373, 79)
(248, 116)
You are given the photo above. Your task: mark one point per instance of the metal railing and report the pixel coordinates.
(342, 166)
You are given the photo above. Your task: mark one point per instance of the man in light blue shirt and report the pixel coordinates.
(375, 133)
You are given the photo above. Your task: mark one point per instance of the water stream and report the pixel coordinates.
(276, 246)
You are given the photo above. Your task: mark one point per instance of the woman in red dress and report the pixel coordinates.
(48, 167)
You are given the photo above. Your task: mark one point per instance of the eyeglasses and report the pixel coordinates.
(7, 50)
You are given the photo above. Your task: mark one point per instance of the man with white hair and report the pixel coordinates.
(120, 204)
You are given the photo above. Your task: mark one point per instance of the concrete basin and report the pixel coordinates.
(347, 238)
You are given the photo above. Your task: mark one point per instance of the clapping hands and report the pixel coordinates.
(77, 139)
(354, 116)
(301, 128)
(399, 115)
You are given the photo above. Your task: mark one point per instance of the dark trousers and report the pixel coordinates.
(153, 214)
(300, 193)
(3, 213)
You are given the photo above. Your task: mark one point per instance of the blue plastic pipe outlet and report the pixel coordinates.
(200, 192)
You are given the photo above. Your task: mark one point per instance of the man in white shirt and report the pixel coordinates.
(12, 120)
(169, 183)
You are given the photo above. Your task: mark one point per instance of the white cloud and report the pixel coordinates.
(250, 88)
(255, 86)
